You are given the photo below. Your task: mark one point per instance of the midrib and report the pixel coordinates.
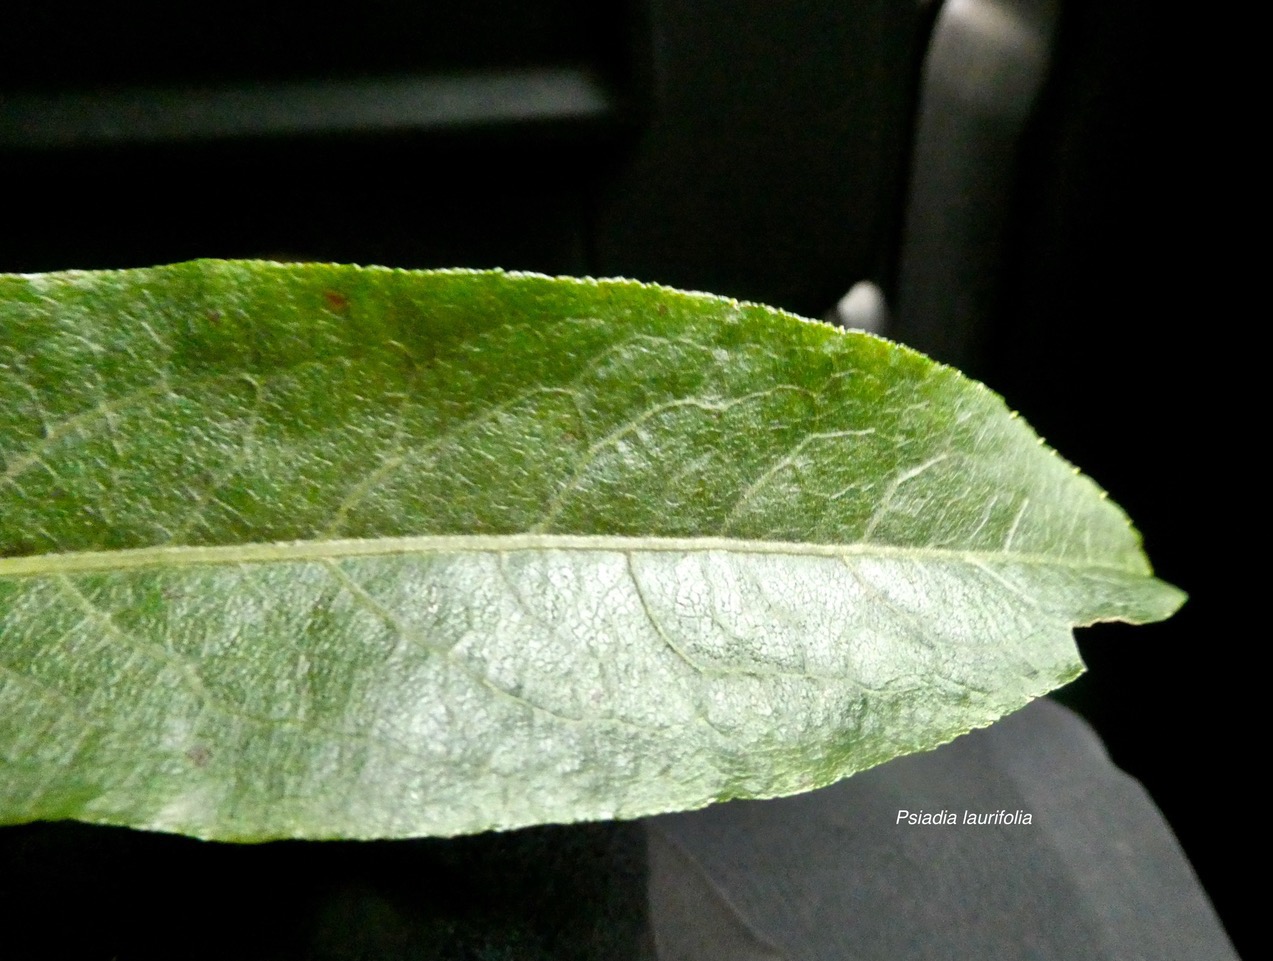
(314, 550)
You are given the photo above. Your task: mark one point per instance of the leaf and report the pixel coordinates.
(324, 551)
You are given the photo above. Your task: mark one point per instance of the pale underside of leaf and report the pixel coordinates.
(363, 689)
(321, 552)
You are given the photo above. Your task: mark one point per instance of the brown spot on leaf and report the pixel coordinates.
(214, 317)
(199, 756)
(336, 300)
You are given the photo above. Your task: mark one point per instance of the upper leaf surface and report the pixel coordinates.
(223, 403)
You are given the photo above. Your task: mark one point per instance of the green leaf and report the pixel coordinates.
(324, 551)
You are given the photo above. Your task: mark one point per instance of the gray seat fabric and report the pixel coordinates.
(1096, 874)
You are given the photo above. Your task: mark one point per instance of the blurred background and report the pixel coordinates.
(997, 182)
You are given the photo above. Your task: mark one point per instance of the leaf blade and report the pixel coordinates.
(659, 461)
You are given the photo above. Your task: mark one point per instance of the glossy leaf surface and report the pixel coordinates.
(324, 551)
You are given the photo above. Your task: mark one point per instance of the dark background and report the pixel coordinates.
(756, 149)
